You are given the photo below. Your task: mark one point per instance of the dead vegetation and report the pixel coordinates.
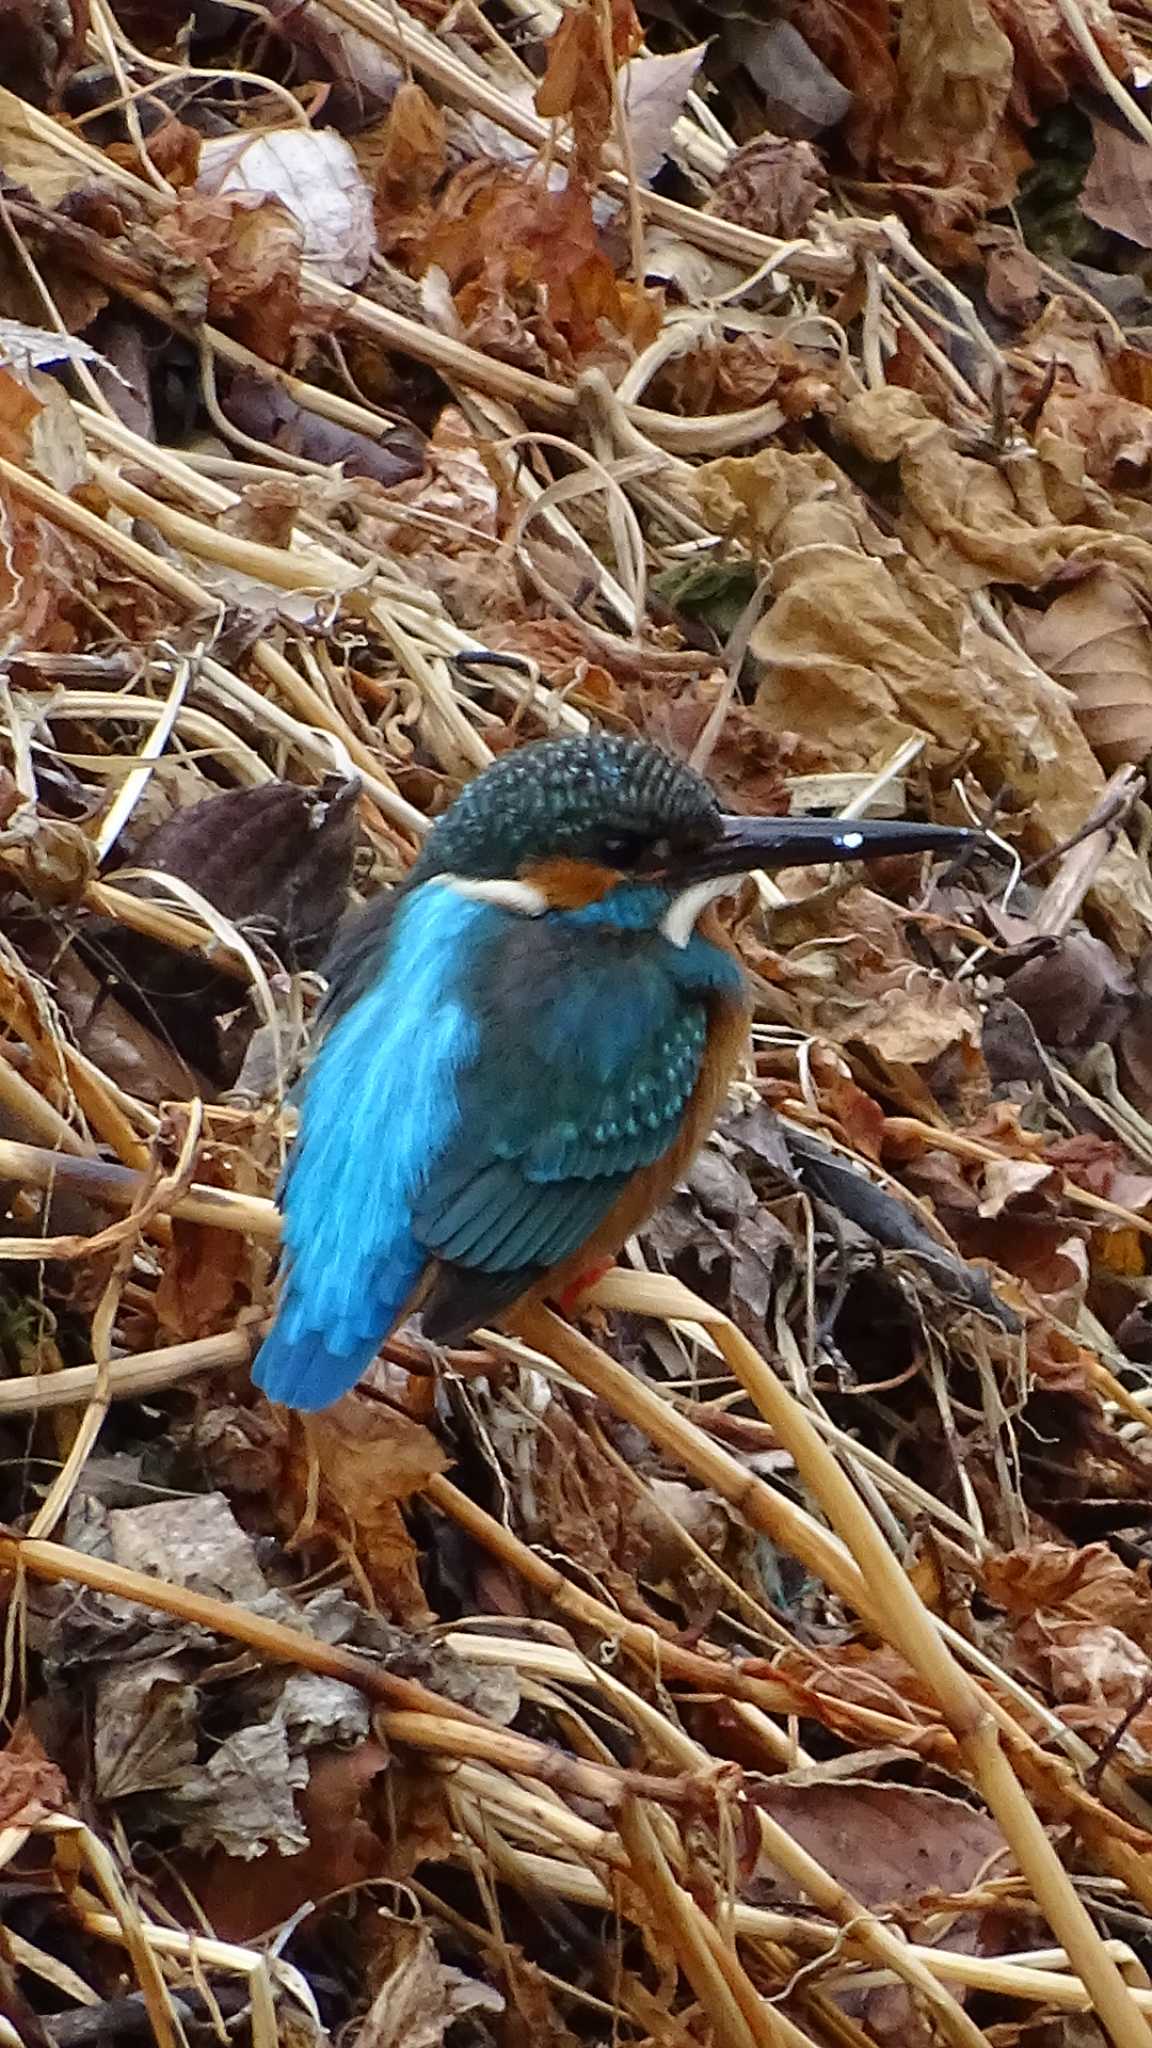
(765, 1659)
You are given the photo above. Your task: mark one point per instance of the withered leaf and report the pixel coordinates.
(771, 184)
(1117, 192)
(30, 1785)
(419, 1997)
(1096, 637)
(276, 859)
(955, 74)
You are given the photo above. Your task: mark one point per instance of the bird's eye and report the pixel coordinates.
(622, 849)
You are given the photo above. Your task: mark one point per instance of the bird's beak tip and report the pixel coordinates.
(770, 843)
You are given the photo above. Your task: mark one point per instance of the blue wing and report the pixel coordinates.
(592, 1040)
(379, 1100)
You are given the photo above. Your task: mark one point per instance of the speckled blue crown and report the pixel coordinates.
(567, 797)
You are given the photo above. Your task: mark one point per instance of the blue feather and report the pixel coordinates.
(379, 1107)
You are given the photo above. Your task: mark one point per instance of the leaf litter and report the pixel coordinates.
(766, 1655)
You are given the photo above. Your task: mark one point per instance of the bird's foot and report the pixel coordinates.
(571, 1297)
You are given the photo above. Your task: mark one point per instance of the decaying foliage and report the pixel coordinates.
(763, 1658)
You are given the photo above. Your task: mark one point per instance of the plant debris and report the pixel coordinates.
(763, 1654)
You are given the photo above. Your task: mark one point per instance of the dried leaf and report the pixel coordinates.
(653, 90)
(145, 1734)
(30, 1785)
(801, 96)
(1091, 1582)
(420, 1997)
(1117, 192)
(42, 46)
(527, 260)
(315, 176)
(247, 251)
(955, 73)
(890, 1844)
(853, 38)
(862, 645)
(578, 82)
(260, 408)
(772, 185)
(414, 149)
(370, 1458)
(196, 1542)
(1096, 637)
(243, 1799)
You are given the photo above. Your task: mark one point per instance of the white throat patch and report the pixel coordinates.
(506, 895)
(679, 921)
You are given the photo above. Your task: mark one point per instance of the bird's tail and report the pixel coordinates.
(305, 1370)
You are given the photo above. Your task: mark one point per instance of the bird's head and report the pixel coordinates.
(605, 821)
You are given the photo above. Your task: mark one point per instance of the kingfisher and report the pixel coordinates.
(522, 1048)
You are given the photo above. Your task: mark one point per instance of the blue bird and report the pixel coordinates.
(522, 1048)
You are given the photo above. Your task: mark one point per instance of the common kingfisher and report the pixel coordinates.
(522, 1048)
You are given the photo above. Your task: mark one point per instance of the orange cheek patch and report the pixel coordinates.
(571, 884)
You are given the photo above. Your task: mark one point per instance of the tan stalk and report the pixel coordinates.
(893, 1602)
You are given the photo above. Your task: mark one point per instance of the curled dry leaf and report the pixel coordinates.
(868, 640)
(1117, 192)
(1114, 432)
(369, 1458)
(1096, 637)
(772, 185)
(248, 250)
(316, 179)
(418, 1997)
(1094, 1673)
(954, 68)
(30, 1785)
(1091, 1581)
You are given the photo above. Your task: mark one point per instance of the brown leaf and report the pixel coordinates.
(1049, 62)
(30, 1785)
(867, 640)
(1096, 637)
(419, 1997)
(1094, 1672)
(912, 1022)
(1073, 992)
(1014, 281)
(531, 257)
(344, 1849)
(1091, 1582)
(772, 185)
(413, 157)
(42, 46)
(173, 149)
(249, 249)
(955, 73)
(890, 1844)
(370, 1458)
(853, 38)
(1117, 192)
(205, 1281)
(578, 82)
(1115, 434)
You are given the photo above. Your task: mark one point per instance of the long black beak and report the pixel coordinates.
(772, 843)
